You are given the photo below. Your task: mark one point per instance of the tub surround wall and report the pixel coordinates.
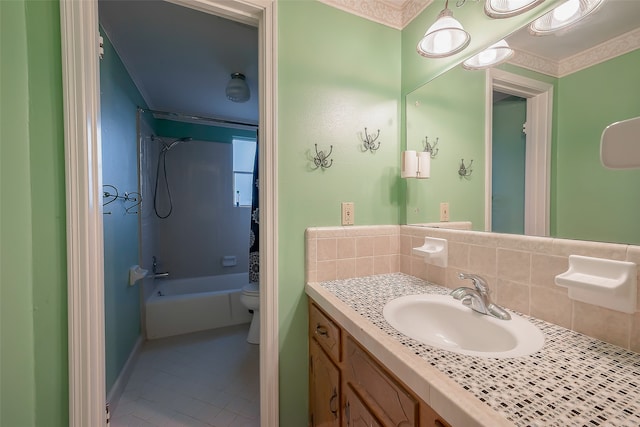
(520, 270)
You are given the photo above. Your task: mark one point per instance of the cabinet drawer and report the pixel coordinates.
(384, 395)
(326, 333)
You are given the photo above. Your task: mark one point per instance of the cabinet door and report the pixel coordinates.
(386, 398)
(356, 414)
(429, 417)
(324, 388)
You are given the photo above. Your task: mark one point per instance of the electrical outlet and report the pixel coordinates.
(347, 213)
(444, 211)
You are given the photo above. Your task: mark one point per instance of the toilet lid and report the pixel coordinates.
(251, 289)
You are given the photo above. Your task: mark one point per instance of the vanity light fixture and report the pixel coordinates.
(563, 16)
(495, 54)
(507, 8)
(444, 37)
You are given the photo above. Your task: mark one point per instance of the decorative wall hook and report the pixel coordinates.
(465, 170)
(321, 160)
(110, 194)
(431, 149)
(369, 141)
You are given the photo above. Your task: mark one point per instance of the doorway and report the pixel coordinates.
(508, 159)
(537, 165)
(80, 51)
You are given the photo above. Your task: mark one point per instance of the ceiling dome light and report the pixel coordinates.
(508, 8)
(237, 88)
(445, 37)
(495, 54)
(563, 16)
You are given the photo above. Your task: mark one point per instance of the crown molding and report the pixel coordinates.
(610, 49)
(392, 13)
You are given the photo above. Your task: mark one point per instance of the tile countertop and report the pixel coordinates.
(575, 380)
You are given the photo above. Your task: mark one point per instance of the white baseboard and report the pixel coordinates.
(113, 397)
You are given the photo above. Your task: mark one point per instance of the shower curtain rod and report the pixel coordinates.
(198, 118)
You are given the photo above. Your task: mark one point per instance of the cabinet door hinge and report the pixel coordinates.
(107, 414)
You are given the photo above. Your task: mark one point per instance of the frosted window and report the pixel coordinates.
(244, 151)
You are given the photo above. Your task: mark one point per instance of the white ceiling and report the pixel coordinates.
(181, 59)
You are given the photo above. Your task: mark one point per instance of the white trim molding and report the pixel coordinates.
(81, 99)
(539, 97)
(85, 272)
(392, 13)
(610, 49)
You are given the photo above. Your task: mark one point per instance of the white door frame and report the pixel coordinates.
(85, 258)
(539, 97)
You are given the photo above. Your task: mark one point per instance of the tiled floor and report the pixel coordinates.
(206, 378)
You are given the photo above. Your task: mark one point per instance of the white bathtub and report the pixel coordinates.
(180, 306)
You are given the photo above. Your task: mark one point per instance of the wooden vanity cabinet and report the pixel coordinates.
(324, 372)
(324, 388)
(369, 395)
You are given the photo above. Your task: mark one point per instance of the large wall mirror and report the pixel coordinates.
(477, 119)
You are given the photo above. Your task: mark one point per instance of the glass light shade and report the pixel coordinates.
(563, 16)
(495, 54)
(444, 38)
(508, 8)
(237, 88)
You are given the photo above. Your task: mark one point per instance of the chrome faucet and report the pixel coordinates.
(478, 297)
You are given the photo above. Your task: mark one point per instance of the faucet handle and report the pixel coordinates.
(478, 282)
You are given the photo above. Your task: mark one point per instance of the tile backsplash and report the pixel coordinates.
(520, 270)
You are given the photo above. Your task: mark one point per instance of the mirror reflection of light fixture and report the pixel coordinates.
(508, 8)
(237, 88)
(444, 37)
(563, 16)
(495, 54)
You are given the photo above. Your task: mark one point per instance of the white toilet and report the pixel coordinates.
(251, 299)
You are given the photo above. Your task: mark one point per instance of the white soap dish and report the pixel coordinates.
(603, 282)
(434, 251)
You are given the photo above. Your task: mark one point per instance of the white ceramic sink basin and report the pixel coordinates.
(444, 322)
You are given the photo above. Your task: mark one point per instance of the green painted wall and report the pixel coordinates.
(119, 99)
(34, 316)
(17, 389)
(337, 74)
(595, 203)
(450, 108)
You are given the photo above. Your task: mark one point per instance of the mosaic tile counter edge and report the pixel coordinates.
(574, 380)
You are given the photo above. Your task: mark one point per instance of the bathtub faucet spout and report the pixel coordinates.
(161, 275)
